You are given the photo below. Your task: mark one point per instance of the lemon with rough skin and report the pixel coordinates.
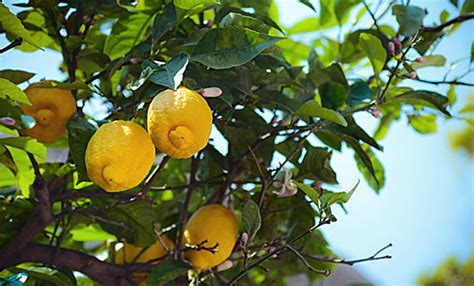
(215, 224)
(119, 156)
(179, 122)
(133, 254)
(51, 108)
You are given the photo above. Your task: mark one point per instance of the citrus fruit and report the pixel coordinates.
(179, 122)
(51, 108)
(119, 155)
(130, 253)
(218, 226)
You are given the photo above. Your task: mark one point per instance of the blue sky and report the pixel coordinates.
(427, 207)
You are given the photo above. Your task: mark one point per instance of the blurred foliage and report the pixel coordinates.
(451, 272)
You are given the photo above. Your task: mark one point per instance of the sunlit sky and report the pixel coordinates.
(427, 206)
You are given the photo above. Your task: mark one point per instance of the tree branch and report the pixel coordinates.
(102, 272)
(458, 19)
(350, 262)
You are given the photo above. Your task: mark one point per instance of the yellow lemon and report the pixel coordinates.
(119, 156)
(179, 122)
(134, 254)
(214, 224)
(51, 108)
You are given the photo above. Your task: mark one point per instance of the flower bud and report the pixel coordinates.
(244, 238)
(224, 266)
(391, 48)
(134, 61)
(412, 75)
(211, 92)
(7, 121)
(398, 44)
(377, 113)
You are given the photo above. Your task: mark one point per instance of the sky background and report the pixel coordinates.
(427, 206)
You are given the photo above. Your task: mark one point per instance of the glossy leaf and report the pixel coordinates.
(329, 198)
(44, 275)
(62, 85)
(16, 76)
(27, 144)
(316, 165)
(410, 18)
(223, 48)
(359, 93)
(167, 271)
(373, 49)
(376, 177)
(312, 193)
(193, 4)
(80, 130)
(423, 124)
(13, 26)
(164, 22)
(251, 218)
(425, 97)
(312, 108)
(10, 90)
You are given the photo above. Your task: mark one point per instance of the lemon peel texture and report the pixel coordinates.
(179, 122)
(51, 108)
(214, 224)
(119, 156)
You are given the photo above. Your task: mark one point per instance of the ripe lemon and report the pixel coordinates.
(179, 122)
(216, 224)
(51, 108)
(134, 254)
(119, 156)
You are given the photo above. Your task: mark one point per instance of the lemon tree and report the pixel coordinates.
(190, 141)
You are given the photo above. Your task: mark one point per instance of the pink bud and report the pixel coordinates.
(134, 61)
(412, 75)
(244, 238)
(391, 48)
(224, 266)
(211, 92)
(209, 24)
(377, 113)
(318, 185)
(398, 43)
(421, 60)
(7, 121)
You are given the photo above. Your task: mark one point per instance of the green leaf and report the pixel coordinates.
(90, 233)
(193, 4)
(223, 48)
(14, 215)
(355, 131)
(61, 85)
(126, 33)
(333, 95)
(472, 52)
(312, 193)
(164, 22)
(10, 90)
(251, 218)
(410, 18)
(426, 98)
(342, 9)
(27, 144)
(374, 50)
(138, 216)
(308, 4)
(376, 177)
(167, 271)
(170, 74)
(316, 165)
(13, 26)
(359, 93)
(423, 124)
(44, 274)
(16, 76)
(240, 20)
(431, 61)
(312, 108)
(329, 198)
(80, 131)
(467, 7)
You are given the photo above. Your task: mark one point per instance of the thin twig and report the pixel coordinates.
(458, 19)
